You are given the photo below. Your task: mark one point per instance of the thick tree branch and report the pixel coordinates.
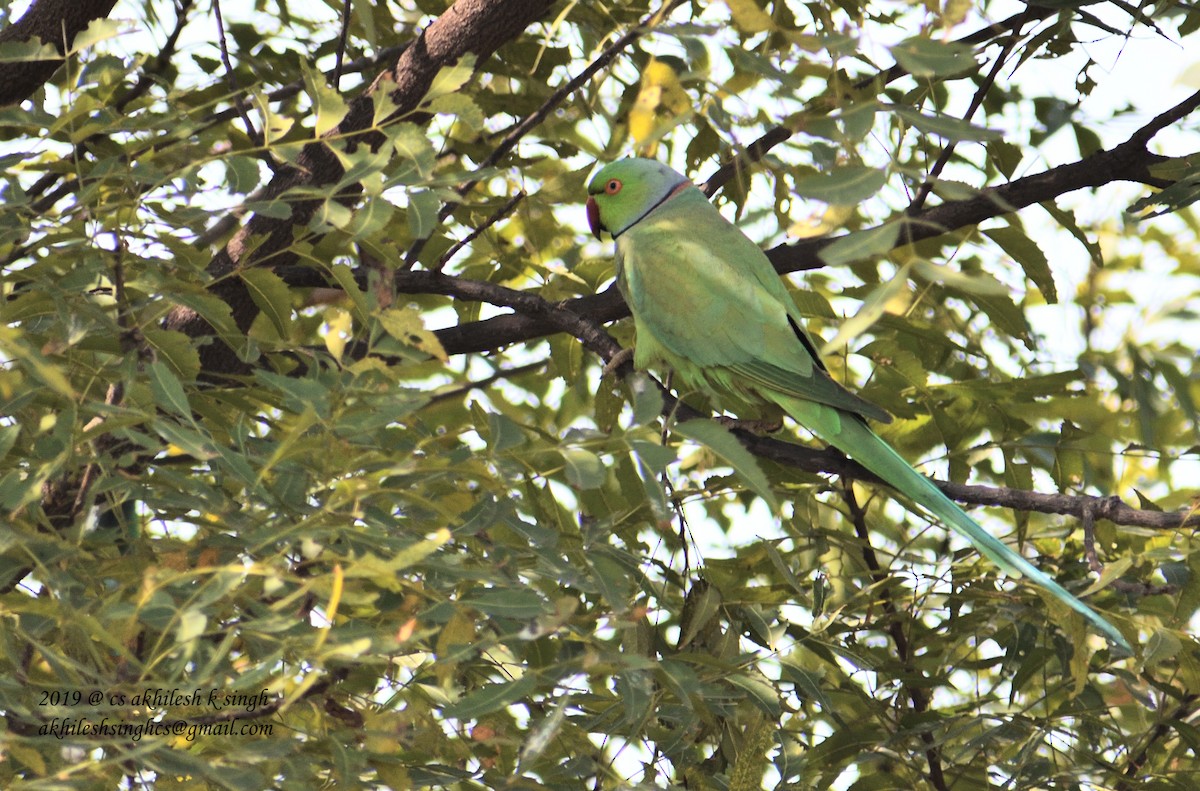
(55, 22)
(830, 461)
(531, 121)
(1126, 162)
(468, 27)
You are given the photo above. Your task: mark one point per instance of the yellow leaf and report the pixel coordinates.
(404, 324)
(458, 631)
(661, 104)
(336, 331)
(833, 217)
(749, 17)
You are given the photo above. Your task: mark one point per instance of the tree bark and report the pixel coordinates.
(468, 26)
(55, 22)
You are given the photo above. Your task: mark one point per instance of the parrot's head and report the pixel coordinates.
(625, 191)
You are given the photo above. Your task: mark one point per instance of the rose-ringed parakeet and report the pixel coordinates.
(707, 302)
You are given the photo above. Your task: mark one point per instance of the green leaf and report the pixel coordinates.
(1145, 503)
(97, 30)
(453, 77)
(871, 311)
(272, 297)
(760, 692)
(845, 185)
(504, 433)
(508, 603)
(974, 283)
(191, 441)
(462, 107)
(942, 125)
(584, 469)
(1163, 646)
(413, 147)
(861, 245)
(1067, 220)
(613, 580)
(492, 697)
(925, 57)
(1025, 252)
(242, 173)
(168, 392)
(385, 572)
(647, 399)
(422, 213)
(192, 624)
(217, 313)
(653, 488)
(38, 366)
(406, 326)
(1112, 571)
(8, 438)
(1183, 192)
(27, 50)
(330, 106)
(720, 441)
(749, 17)
(344, 276)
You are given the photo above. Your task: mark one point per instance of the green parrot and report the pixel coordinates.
(707, 302)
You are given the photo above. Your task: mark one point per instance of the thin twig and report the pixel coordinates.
(496, 217)
(943, 159)
(480, 384)
(1182, 712)
(1087, 520)
(341, 46)
(161, 60)
(229, 75)
(773, 137)
(920, 701)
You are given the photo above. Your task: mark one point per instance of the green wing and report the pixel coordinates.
(739, 321)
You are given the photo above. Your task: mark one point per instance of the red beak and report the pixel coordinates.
(593, 215)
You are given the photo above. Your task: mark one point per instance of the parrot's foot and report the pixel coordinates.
(618, 359)
(757, 427)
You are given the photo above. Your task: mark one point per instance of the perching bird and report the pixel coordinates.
(707, 302)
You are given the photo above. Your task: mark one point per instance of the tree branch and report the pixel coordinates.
(468, 27)
(916, 694)
(1126, 162)
(55, 22)
(532, 120)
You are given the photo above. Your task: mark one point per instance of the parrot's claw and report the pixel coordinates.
(618, 359)
(756, 427)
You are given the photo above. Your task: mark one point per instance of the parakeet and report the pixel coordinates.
(707, 302)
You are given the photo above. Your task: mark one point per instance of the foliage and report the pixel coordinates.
(352, 470)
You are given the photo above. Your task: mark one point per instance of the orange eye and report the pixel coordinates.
(612, 187)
